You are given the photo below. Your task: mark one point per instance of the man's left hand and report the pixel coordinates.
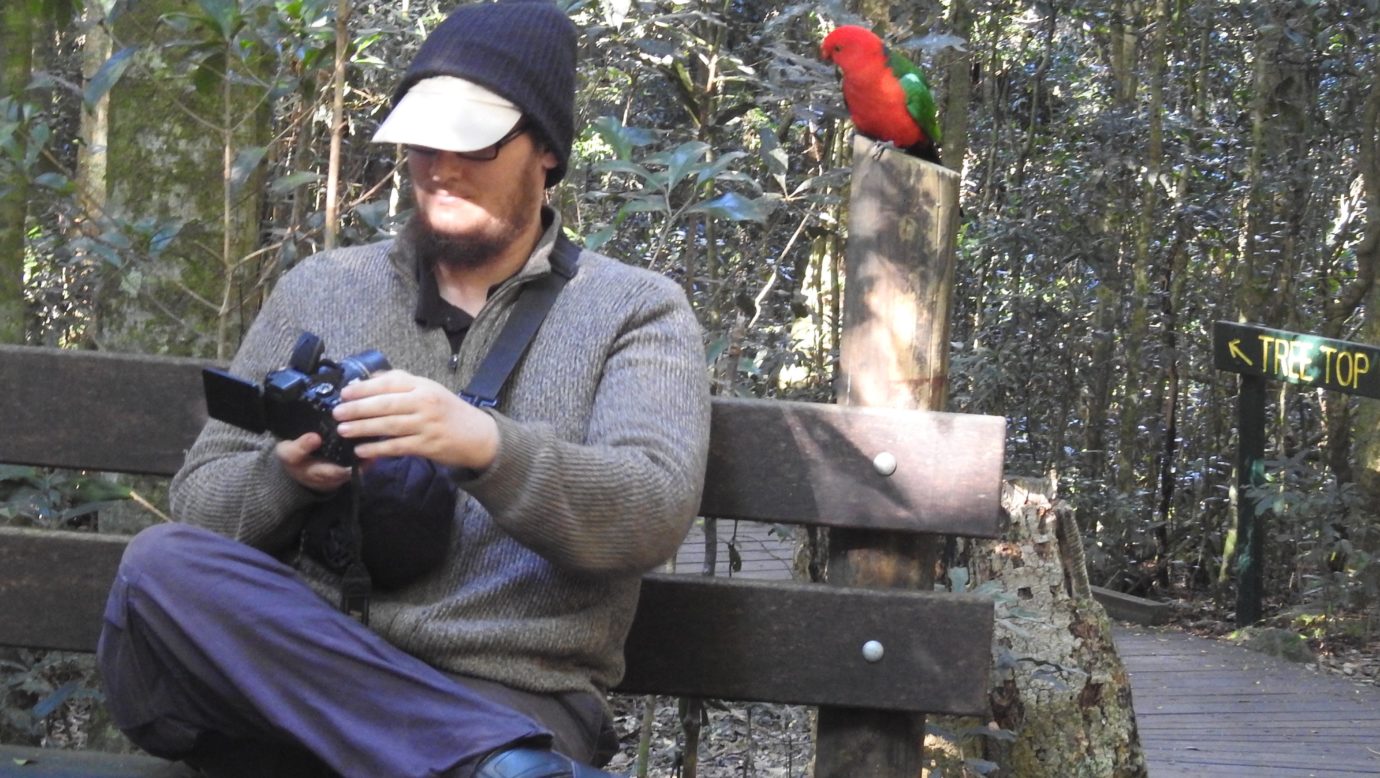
(416, 416)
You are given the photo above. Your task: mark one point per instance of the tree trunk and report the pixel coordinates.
(1059, 688)
(958, 87)
(1366, 429)
(167, 163)
(16, 60)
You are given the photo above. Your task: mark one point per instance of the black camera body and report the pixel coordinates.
(296, 399)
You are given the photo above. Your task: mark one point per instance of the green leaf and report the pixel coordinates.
(223, 16)
(105, 251)
(647, 204)
(92, 489)
(60, 12)
(17, 473)
(682, 160)
(246, 162)
(54, 181)
(54, 701)
(715, 350)
(291, 181)
(373, 213)
(115, 237)
(731, 206)
(595, 240)
(206, 77)
(163, 238)
(625, 166)
(131, 281)
(106, 78)
(981, 766)
(620, 138)
(718, 166)
(775, 158)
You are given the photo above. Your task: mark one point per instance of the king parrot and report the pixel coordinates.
(886, 94)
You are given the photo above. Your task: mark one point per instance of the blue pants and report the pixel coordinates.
(208, 641)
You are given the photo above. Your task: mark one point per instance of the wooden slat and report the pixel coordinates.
(729, 638)
(770, 460)
(92, 410)
(802, 643)
(25, 762)
(53, 587)
(811, 463)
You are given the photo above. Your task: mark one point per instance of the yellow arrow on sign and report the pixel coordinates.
(1234, 347)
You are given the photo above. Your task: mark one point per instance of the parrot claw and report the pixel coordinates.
(881, 147)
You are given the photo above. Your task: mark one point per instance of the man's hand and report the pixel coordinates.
(416, 416)
(299, 460)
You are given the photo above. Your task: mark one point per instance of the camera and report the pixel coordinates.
(296, 399)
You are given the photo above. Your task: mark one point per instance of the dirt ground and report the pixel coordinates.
(736, 741)
(1344, 642)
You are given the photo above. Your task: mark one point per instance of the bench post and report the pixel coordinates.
(903, 216)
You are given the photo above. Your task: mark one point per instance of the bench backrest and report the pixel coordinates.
(773, 461)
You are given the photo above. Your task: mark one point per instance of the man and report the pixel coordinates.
(222, 643)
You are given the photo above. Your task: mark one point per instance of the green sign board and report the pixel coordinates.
(1307, 360)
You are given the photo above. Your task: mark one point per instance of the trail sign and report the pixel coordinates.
(1258, 353)
(1307, 360)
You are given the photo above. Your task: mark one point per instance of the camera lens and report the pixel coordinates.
(362, 365)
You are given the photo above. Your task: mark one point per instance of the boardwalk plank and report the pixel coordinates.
(1230, 730)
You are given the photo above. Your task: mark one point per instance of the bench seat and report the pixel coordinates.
(877, 470)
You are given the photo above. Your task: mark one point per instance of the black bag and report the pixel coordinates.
(406, 519)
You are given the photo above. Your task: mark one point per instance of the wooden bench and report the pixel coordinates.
(724, 638)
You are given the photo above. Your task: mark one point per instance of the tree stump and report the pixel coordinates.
(1061, 699)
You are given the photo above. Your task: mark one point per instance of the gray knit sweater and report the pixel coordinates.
(603, 429)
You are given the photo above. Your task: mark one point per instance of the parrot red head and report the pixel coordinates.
(850, 44)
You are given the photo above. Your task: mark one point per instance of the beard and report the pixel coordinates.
(475, 248)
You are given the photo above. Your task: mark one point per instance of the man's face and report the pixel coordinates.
(470, 211)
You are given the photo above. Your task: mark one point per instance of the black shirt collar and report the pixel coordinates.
(432, 310)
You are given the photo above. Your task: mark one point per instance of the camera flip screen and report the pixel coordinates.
(233, 400)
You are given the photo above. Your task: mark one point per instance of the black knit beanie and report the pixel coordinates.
(523, 50)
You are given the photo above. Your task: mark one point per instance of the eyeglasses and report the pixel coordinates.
(485, 154)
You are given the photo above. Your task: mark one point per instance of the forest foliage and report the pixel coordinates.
(1131, 172)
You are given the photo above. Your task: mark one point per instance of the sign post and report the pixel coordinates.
(1250, 472)
(1257, 354)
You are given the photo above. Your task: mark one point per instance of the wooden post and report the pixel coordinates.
(903, 218)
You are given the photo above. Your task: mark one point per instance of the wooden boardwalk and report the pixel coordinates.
(1203, 707)
(1209, 708)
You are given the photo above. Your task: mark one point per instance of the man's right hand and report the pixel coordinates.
(316, 474)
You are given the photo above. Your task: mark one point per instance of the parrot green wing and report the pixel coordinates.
(919, 99)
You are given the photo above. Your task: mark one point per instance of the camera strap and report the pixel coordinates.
(355, 582)
(534, 301)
